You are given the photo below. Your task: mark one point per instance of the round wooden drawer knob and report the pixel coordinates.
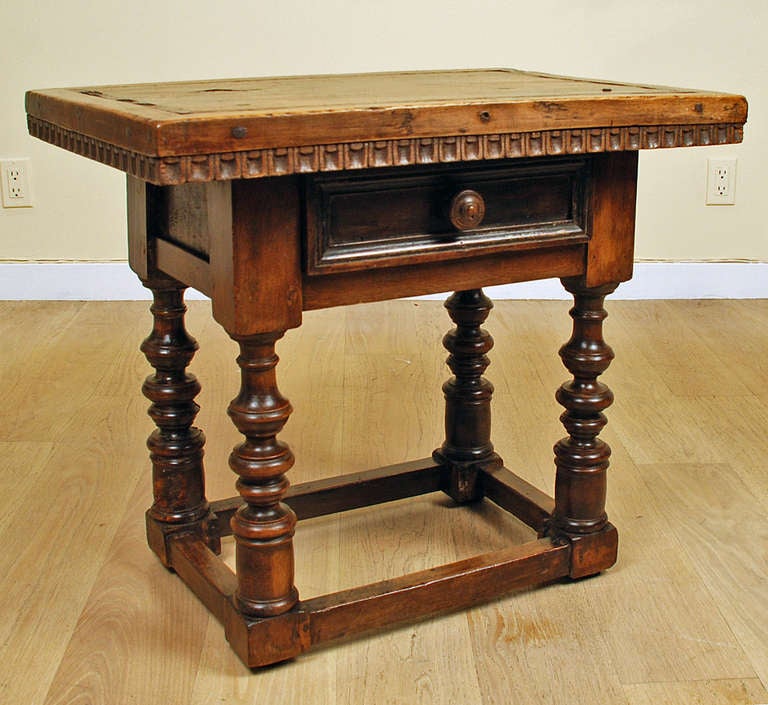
(467, 210)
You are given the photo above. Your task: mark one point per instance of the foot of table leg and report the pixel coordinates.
(176, 447)
(467, 448)
(582, 458)
(263, 526)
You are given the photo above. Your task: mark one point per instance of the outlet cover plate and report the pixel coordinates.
(15, 183)
(721, 182)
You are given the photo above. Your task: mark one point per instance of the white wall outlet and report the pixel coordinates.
(721, 182)
(15, 183)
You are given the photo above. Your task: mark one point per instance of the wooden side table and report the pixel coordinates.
(278, 195)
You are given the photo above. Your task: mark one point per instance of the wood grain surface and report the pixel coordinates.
(198, 117)
(91, 617)
(244, 128)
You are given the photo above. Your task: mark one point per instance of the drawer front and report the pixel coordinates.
(409, 216)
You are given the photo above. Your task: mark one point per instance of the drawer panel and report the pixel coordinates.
(395, 217)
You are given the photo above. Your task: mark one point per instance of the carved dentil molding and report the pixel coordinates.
(252, 164)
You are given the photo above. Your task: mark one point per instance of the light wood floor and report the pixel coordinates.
(88, 615)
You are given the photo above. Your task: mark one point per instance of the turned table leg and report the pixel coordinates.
(467, 448)
(582, 457)
(263, 526)
(176, 447)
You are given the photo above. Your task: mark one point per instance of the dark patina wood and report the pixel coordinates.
(377, 219)
(582, 457)
(263, 526)
(467, 449)
(276, 196)
(175, 447)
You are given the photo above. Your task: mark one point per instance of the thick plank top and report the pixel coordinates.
(167, 121)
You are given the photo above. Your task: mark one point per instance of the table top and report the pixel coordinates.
(219, 129)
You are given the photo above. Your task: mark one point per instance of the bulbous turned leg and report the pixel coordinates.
(263, 526)
(582, 458)
(467, 448)
(176, 447)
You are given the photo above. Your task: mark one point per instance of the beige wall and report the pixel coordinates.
(80, 213)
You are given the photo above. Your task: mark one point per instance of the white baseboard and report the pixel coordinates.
(113, 281)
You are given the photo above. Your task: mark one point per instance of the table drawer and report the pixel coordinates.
(408, 216)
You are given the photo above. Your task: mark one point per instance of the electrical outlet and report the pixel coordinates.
(15, 183)
(721, 182)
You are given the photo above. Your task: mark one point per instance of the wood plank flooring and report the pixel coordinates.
(89, 616)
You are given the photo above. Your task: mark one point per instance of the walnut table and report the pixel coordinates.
(278, 195)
